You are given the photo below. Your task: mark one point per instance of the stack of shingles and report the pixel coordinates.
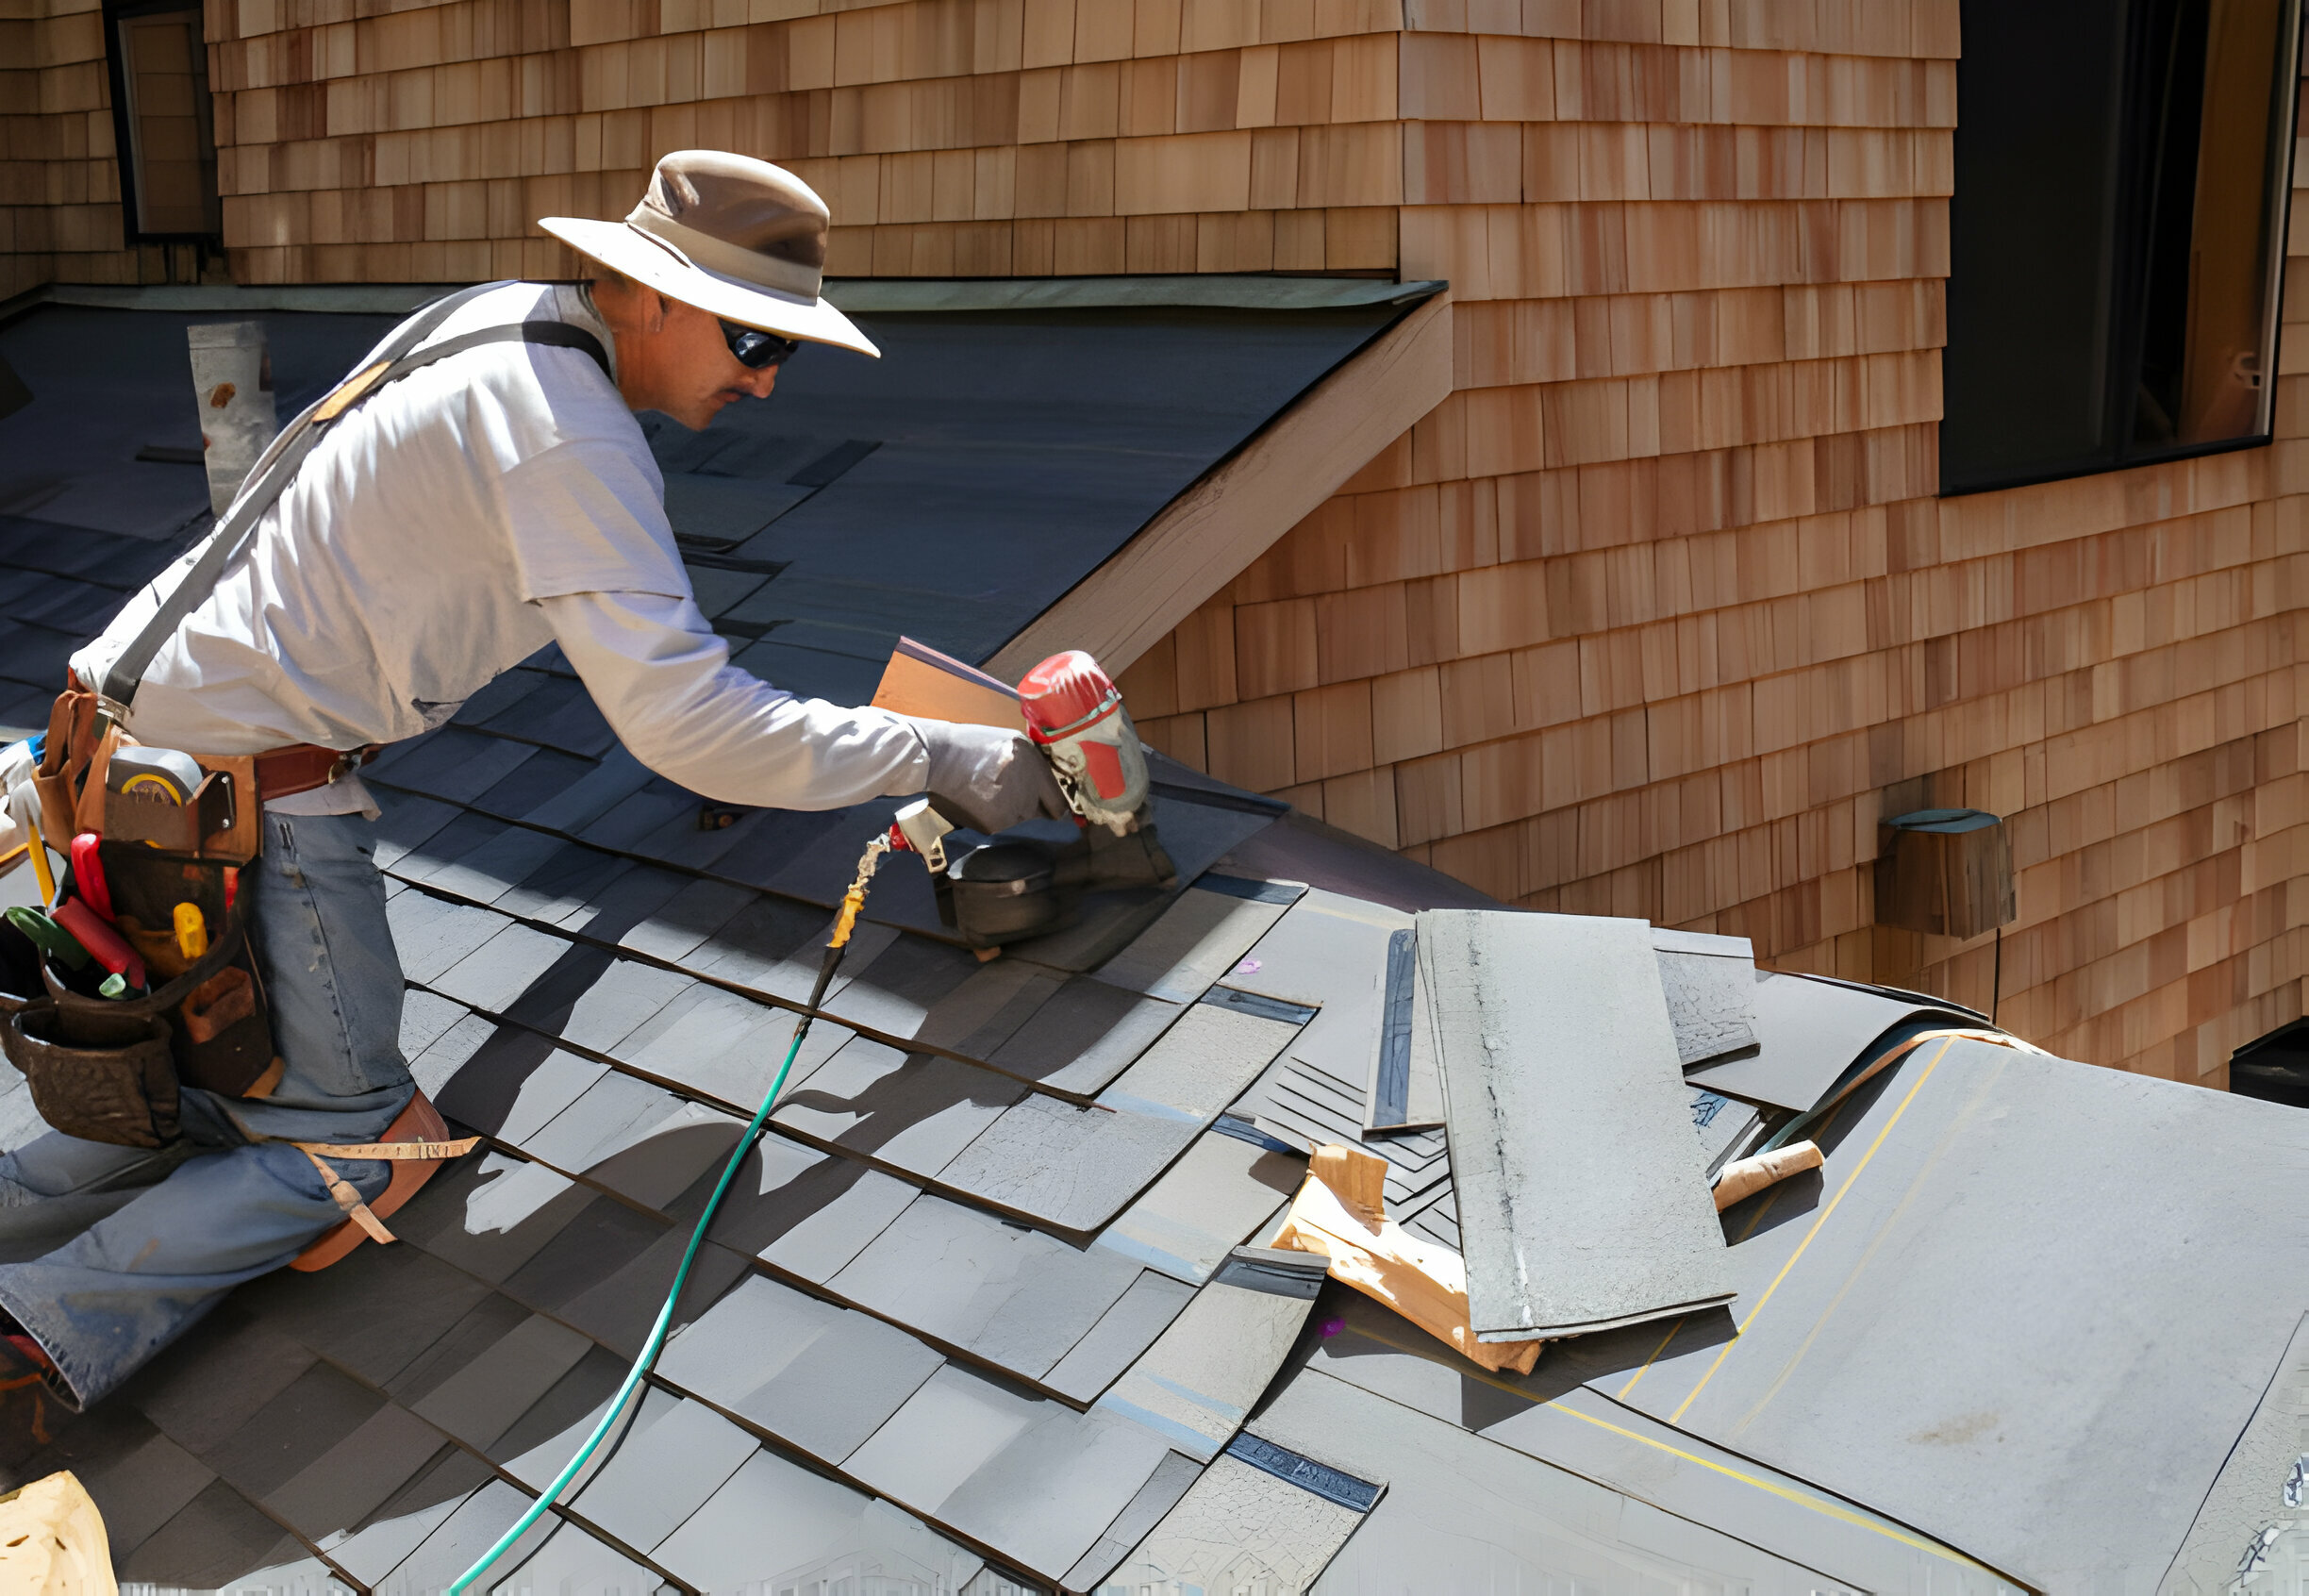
(1839, 1435)
(1359, 962)
(1331, 953)
(1813, 1031)
(1560, 1040)
(1582, 1205)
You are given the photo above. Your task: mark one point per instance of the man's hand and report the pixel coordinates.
(986, 779)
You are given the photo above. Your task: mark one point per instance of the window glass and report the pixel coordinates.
(2210, 269)
(2031, 261)
(172, 153)
(2117, 233)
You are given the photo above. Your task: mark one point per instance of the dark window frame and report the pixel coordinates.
(125, 141)
(2124, 333)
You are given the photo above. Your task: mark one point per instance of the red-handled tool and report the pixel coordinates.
(1074, 711)
(89, 874)
(107, 946)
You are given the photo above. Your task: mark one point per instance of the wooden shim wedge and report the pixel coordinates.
(1207, 536)
(920, 681)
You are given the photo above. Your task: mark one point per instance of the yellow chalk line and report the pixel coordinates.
(1766, 1299)
(1799, 1497)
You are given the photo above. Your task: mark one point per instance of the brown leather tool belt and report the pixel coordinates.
(302, 766)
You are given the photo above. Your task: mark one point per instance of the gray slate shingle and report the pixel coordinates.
(1580, 1197)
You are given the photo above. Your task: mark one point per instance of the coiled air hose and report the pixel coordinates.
(853, 901)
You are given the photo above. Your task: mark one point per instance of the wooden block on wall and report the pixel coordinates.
(1275, 647)
(1182, 172)
(1182, 737)
(1158, 244)
(1440, 77)
(1427, 804)
(1355, 164)
(1363, 802)
(1299, 241)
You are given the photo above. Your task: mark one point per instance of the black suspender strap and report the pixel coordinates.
(278, 465)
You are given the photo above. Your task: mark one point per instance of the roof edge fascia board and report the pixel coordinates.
(394, 299)
(857, 295)
(1214, 292)
(1241, 507)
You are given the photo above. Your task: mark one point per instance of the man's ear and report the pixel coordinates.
(627, 304)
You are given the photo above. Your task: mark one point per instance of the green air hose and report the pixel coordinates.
(851, 901)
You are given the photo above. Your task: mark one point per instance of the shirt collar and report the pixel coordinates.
(573, 304)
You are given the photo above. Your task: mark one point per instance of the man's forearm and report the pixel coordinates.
(664, 682)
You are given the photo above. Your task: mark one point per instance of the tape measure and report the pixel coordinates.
(154, 773)
(164, 774)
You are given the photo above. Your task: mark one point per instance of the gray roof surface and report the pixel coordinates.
(950, 490)
(976, 1315)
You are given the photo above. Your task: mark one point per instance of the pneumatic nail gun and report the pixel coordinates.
(1002, 891)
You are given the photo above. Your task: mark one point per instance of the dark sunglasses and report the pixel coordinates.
(758, 350)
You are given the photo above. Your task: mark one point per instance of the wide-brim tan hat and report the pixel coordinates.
(738, 238)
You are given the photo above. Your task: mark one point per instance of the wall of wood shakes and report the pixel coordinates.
(59, 182)
(1658, 613)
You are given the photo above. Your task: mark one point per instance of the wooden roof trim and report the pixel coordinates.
(1235, 512)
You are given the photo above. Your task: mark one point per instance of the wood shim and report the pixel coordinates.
(1340, 1212)
(920, 681)
(1205, 537)
(1582, 1201)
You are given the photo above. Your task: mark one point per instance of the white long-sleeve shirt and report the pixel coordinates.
(445, 529)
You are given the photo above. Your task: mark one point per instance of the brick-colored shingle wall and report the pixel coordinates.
(1658, 614)
(59, 189)
(951, 138)
(60, 180)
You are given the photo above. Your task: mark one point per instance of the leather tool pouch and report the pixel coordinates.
(206, 1025)
(122, 1092)
(64, 762)
(109, 1069)
(219, 1023)
(221, 823)
(202, 1022)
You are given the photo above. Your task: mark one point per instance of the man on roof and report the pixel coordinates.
(446, 525)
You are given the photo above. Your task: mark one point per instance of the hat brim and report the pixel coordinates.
(624, 251)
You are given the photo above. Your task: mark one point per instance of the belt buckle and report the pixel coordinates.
(346, 762)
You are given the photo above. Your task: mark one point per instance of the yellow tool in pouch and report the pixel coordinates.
(192, 931)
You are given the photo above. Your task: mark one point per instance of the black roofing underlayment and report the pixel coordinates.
(950, 490)
(986, 1310)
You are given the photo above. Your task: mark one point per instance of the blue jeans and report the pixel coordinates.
(112, 1253)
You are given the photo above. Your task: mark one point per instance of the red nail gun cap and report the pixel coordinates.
(1064, 691)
